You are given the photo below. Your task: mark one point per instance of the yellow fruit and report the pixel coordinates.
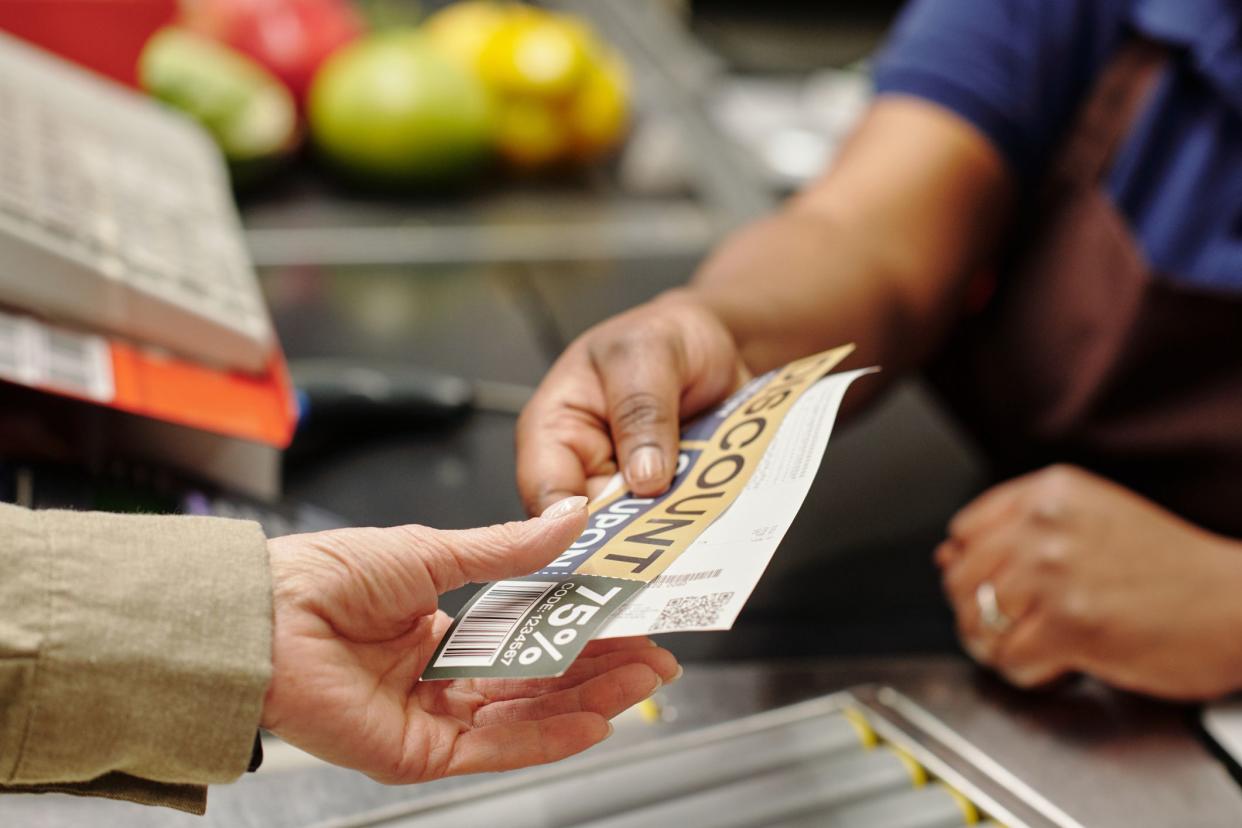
(391, 108)
(461, 31)
(530, 134)
(536, 54)
(562, 94)
(599, 113)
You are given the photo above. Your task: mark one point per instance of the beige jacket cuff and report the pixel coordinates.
(134, 653)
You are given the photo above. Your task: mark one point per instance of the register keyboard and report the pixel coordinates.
(117, 215)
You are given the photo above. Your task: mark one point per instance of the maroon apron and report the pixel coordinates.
(1085, 355)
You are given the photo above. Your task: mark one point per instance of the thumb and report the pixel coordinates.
(506, 550)
(642, 385)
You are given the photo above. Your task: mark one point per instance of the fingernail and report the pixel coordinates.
(977, 650)
(680, 671)
(646, 464)
(1022, 678)
(564, 507)
(611, 730)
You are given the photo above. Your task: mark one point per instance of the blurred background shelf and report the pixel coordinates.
(737, 104)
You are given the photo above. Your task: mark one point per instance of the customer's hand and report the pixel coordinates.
(1089, 577)
(617, 396)
(356, 622)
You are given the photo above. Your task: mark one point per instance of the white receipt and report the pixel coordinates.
(1223, 722)
(708, 584)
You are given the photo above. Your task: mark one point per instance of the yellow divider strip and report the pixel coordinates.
(969, 812)
(918, 774)
(866, 735)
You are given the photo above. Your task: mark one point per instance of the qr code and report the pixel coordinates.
(691, 611)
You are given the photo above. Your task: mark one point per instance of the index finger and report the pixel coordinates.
(1031, 655)
(560, 443)
(547, 471)
(987, 511)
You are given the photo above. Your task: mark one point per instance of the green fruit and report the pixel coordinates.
(390, 107)
(248, 112)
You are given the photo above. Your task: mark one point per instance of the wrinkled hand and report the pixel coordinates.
(1093, 578)
(356, 622)
(617, 396)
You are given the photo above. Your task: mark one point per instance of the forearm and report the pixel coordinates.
(1226, 635)
(134, 652)
(878, 252)
(794, 284)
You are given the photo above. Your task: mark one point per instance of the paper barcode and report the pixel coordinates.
(9, 357)
(691, 611)
(488, 623)
(40, 355)
(71, 363)
(684, 578)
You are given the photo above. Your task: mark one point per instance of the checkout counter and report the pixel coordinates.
(490, 289)
(899, 742)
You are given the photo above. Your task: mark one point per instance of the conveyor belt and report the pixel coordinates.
(866, 758)
(929, 806)
(815, 788)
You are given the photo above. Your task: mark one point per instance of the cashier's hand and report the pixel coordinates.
(356, 622)
(1090, 577)
(616, 399)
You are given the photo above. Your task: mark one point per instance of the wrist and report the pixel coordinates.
(792, 261)
(705, 303)
(277, 560)
(1228, 634)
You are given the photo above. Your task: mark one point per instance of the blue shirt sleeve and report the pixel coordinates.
(1015, 69)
